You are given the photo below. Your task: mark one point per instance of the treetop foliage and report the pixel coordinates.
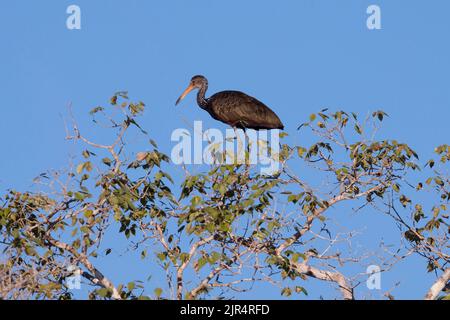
(229, 227)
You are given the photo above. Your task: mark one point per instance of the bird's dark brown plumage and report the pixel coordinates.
(234, 108)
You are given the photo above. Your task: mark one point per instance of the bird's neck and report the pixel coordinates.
(201, 100)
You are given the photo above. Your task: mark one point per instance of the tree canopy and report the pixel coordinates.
(229, 227)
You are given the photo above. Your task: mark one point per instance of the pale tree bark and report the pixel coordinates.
(325, 275)
(98, 278)
(438, 286)
(186, 263)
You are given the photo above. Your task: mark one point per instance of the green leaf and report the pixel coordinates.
(95, 110)
(299, 289)
(113, 100)
(286, 292)
(396, 187)
(158, 292)
(88, 166)
(107, 161)
(301, 151)
(153, 143)
(200, 263)
(103, 292)
(439, 181)
(80, 168)
(214, 257)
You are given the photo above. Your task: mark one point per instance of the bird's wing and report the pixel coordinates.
(239, 109)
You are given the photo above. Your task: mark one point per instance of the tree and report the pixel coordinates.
(227, 228)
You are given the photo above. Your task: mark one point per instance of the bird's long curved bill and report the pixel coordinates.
(184, 94)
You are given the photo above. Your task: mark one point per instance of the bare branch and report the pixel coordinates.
(99, 278)
(438, 286)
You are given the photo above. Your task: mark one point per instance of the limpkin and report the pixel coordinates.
(234, 108)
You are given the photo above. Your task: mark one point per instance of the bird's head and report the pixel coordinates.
(196, 82)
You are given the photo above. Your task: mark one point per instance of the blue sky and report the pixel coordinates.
(296, 56)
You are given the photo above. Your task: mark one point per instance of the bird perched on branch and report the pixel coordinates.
(234, 108)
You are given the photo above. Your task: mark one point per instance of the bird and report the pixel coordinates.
(234, 108)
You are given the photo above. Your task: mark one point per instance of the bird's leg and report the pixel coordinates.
(235, 132)
(247, 139)
(239, 146)
(246, 152)
(234, 125)
(246, 155)
(247, 149)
